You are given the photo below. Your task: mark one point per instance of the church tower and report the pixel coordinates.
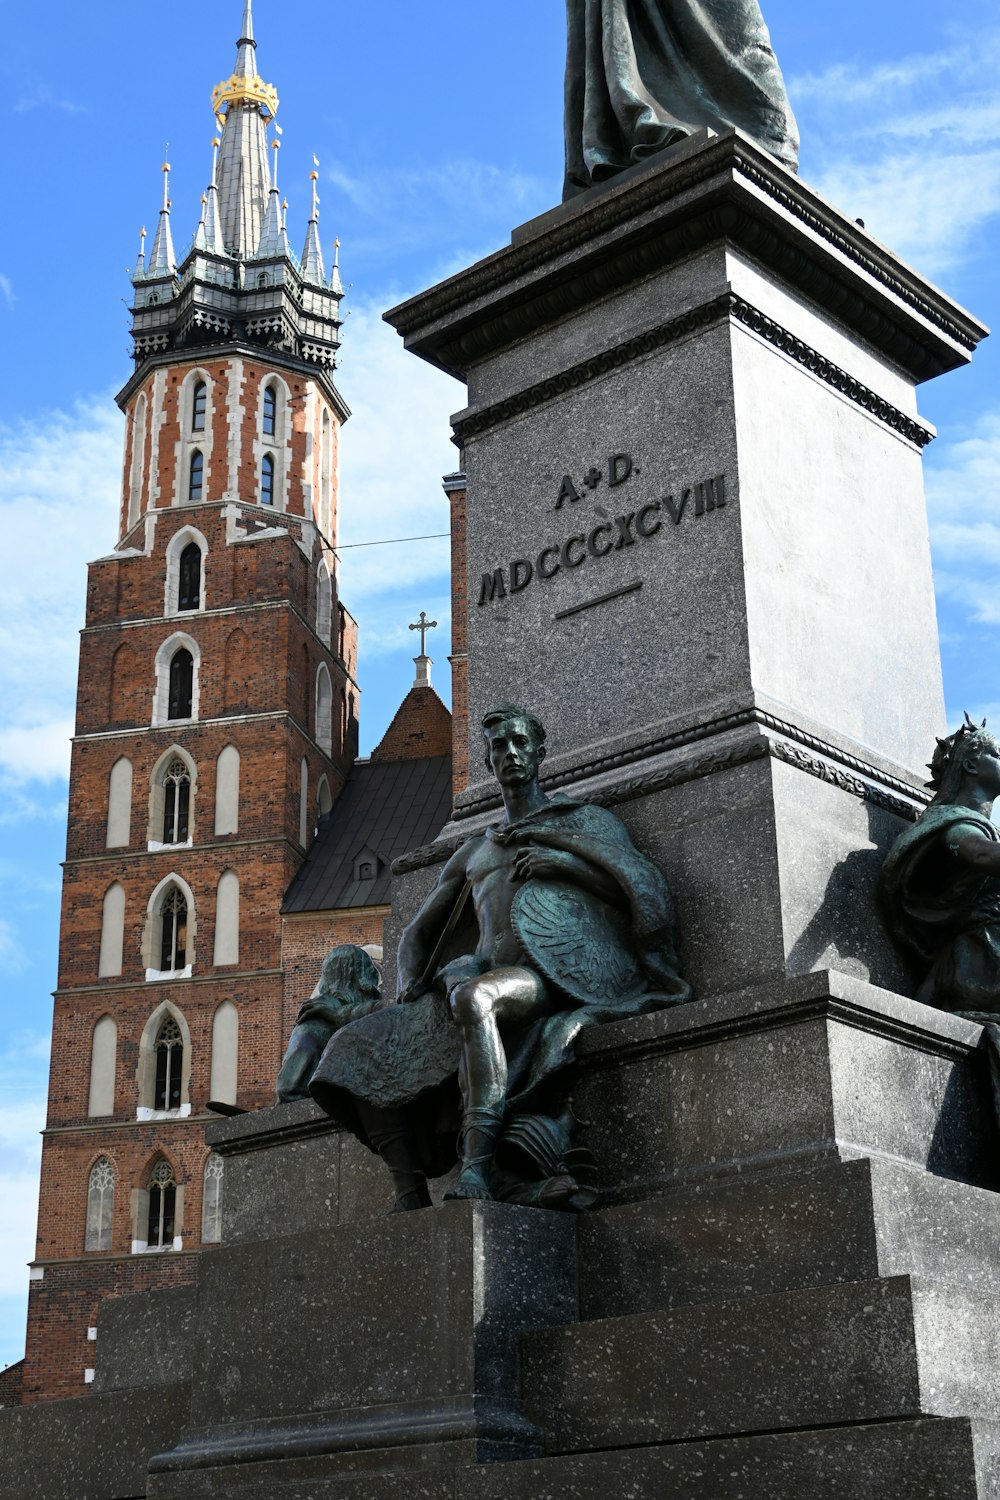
(216, 722)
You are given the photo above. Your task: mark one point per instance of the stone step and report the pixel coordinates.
(750, 1235)
(858, 1352)
(925, 1459)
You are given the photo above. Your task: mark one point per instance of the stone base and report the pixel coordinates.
(790, 1288)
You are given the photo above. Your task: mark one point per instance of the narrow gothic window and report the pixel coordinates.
(200, 406)
(197, 480)
(173, 947)
(211, 1203)
(270, 411)
(189, 588)
(162, 1206)
(267, 480)
(169, 1058)
(176, 802)
(181, 685)
(100, 1205)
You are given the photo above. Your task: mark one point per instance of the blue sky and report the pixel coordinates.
(438, 128)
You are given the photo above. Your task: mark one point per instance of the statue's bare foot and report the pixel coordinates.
(471, 1184)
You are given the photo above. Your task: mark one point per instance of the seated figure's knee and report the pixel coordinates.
(471, 1002)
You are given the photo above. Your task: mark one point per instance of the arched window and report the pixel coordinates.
(181, 690)
(109, 965)
(120, 805)
(162, 1079)
(324, 602)
(169, 1064)
(227, 791)
(211, 1202)
(176, 802)
(189, 578)
(324, 797)
(138, 461)
(270, 411)
(173, 934)
(196, 477)
(100, 1205)
(267, 480)
(326, 471)
(225, 1054)
(162, 1207)
(227, 920)
(103, 1062)
(304, 803)
(324, 710)
(199, 407)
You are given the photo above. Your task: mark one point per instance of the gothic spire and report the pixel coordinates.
(312, 256)
(244, 105)
(336, 285)
(273, 240)
(140, 265)
(213, 238)
(162, 261)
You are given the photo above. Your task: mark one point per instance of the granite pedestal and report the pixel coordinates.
(697, 542)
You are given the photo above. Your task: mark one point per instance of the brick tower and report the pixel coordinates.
(216, 721)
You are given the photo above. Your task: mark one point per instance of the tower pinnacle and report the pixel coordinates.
(244, 105)
(312, 256)
(162, 261)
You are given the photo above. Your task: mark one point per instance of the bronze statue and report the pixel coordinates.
(941, 881)
(349, 987)
(642, 75)
(940, 887)
(545, 923)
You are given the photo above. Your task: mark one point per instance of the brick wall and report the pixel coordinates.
(11, 1380)
(256, 635)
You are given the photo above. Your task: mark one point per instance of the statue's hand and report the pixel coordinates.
(542, 864)
(410, 992)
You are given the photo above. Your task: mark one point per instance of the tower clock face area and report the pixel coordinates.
(216, 722)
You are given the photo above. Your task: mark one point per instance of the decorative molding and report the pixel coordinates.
(696, 320)
(792, 755)
(710, 196)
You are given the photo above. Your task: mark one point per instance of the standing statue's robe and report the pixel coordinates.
(642, 75)
(409, 1056)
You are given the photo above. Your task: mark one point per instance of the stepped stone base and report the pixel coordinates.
(790, 1288)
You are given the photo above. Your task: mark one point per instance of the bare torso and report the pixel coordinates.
(490, 867)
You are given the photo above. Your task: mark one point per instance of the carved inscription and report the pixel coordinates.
(609, 535)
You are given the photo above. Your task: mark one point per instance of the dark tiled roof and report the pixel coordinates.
(385, 809)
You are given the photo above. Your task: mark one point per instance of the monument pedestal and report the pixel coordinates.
(790, 1286)
(697, 542)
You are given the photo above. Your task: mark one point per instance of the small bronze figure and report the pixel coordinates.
(548, 922)
(941, 882)
(642, 75)
(349, 987)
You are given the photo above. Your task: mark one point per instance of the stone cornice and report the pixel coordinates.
(780, 740)
(696, 320)
(200, 354)
(726, 191)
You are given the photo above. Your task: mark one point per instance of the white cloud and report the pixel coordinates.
(7, 290)
(44, 98)
(395, 451)
(910, 145)
(12, 956)
(59, 478)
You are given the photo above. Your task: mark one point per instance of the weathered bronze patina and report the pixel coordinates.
(940, 886)
(544, 924)
(349, 987)
(642, 75)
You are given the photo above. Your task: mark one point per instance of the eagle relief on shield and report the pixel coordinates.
(579, 943)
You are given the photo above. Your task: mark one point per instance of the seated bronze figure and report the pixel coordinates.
(547, 922)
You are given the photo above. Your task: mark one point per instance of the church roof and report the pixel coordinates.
(386, 808)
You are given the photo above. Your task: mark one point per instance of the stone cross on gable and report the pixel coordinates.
(423, 661)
